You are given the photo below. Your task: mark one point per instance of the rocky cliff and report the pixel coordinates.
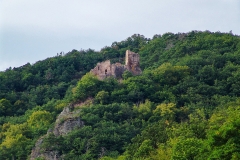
(67, 121)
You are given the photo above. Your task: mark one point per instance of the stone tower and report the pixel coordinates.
(132, 62)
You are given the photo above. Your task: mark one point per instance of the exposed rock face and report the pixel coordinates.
(67, 126)
(66, 122)
(47, 155)
(106, 69)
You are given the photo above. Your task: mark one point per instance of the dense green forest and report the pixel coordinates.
(184, 106)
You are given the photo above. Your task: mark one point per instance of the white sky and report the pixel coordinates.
(32, 30)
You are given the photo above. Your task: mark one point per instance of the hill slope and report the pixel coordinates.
(185, 101)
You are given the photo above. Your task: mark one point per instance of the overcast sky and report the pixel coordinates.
(32, 30)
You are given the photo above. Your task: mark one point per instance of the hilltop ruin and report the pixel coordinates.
(106, 69)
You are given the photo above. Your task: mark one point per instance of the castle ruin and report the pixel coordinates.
(106, 69)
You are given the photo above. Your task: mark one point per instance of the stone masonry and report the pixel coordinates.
(132, 62)
(106, 69)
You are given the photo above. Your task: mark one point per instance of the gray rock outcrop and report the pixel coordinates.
(65, 123)
(47, 155)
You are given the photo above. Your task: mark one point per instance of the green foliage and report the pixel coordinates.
(144, 149)
(126, 74)
(166, 74)
(187, 149)
(144, 110)
(39, 122)
(86, 87)
(223, 134)
(15, 141)
(5, 108)
(167, 111)
(38, 83)
(102, 97)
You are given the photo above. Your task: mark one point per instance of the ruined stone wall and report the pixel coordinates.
(117, 70)
(103, 70)
(106, 69)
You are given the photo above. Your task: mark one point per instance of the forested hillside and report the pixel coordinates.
(185, 104)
